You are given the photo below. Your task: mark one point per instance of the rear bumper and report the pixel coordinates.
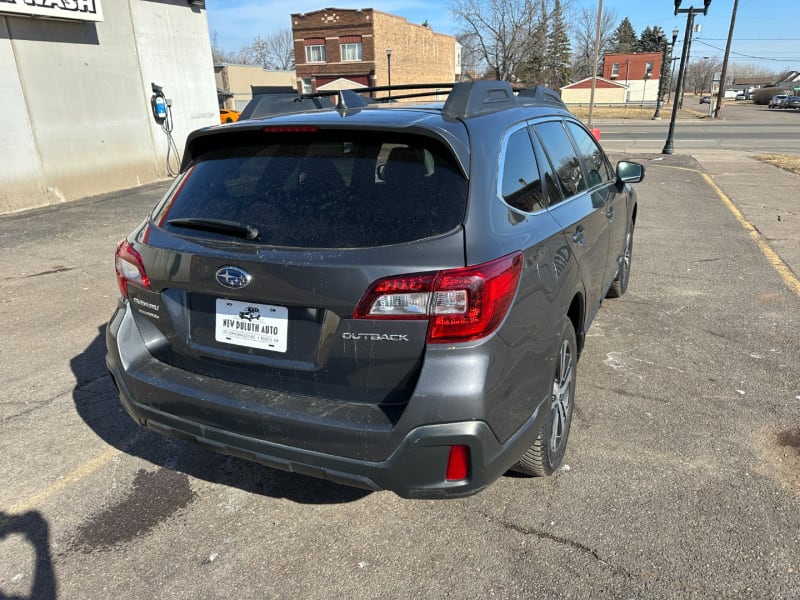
(409, 458)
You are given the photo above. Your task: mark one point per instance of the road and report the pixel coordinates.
(683, 466)
(744, 127)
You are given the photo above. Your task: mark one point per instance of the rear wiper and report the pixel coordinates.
(241, 230)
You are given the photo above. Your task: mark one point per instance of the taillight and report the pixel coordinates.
(130, 268)
(460, 304)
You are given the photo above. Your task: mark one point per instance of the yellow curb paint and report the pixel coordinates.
(79, 473)
(789, 278)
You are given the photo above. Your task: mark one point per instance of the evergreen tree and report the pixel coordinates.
(625, 40)
(532, 70)
(558, 52)
(651, 40)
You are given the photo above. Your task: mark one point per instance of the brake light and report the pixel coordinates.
(130, 268)
(460, 304)
(290, 129)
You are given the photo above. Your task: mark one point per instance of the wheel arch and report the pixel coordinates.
(576, 314)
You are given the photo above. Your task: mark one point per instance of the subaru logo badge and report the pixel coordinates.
(233, 277)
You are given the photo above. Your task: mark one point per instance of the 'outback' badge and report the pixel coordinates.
(233, 277)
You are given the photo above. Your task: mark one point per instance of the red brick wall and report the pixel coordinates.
(418, 54)
(632, 66)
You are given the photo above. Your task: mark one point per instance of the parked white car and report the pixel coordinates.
(778, 100)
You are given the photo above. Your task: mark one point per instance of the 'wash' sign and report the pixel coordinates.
(77, 10)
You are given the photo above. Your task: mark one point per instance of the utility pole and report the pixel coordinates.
(724, 74)
(690, 13)
(596, 58)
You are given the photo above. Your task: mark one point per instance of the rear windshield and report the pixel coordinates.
(264, 105)
(323, 189)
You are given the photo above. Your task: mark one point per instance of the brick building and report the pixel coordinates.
(349, 48)
(639, 71)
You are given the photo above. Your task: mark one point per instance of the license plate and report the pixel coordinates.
(252, 325)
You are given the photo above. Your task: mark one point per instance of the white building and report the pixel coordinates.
(75, 87)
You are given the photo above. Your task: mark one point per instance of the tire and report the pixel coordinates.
(547, 451)
(620, 284)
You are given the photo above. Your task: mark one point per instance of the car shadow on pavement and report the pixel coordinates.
(97, 403)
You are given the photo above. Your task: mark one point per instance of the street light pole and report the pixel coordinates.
(672, 77)
(690, 13)
(662, 82)
(389, 66)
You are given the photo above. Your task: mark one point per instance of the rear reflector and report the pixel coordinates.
(460, 304)
(458, 463)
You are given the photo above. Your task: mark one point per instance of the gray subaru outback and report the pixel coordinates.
(392, 297)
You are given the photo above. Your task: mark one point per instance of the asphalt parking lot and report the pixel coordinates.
(683, 475)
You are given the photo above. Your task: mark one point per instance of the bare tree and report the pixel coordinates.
(748, 71)
(504, 31)
(700, 74)
(584, 33)
(220, 55)
(472, 65)
(276, 51)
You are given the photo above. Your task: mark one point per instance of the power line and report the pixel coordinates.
(742, 54)
(740, 39)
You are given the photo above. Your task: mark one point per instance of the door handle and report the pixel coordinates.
(610, 213)
(579, 237)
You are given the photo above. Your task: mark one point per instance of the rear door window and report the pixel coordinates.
(521, 185)
(594, 160)
(323, 189)
(551, 188)
(562, 155)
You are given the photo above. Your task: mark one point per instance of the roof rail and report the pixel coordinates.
(464, 99)
(541, 95)
(469, 99)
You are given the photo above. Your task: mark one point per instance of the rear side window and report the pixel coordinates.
(521, 186)
(562, 155)
(324, 189)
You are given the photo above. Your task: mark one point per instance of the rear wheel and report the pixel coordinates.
(620, 284)
(547, 451)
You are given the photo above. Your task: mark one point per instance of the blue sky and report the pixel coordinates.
(767, 34)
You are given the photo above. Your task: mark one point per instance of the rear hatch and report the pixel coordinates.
(260, 255)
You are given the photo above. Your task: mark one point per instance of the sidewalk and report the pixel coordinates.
(767, 196)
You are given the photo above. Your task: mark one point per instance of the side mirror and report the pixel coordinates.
(629, 172)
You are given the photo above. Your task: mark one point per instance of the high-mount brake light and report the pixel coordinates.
(130, 268)
(460, 304)
(290, 129)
